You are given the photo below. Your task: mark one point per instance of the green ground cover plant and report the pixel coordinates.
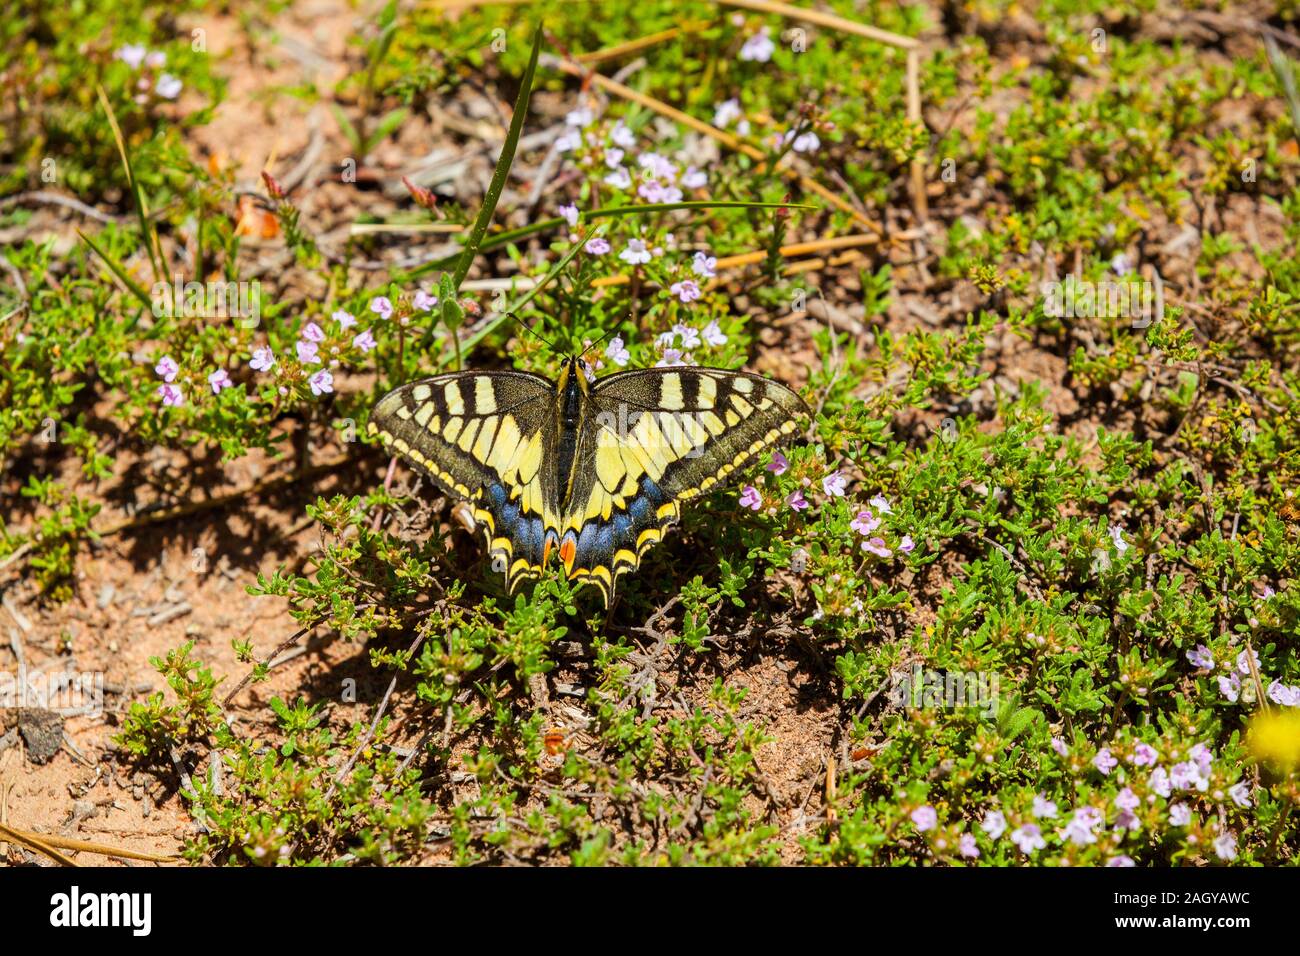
(1022, 590)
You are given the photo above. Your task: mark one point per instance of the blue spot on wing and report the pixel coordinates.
(598, 541)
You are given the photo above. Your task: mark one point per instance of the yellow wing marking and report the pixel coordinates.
(485, 399)
(708, 392)
(451, 394)
(670, 392)
(486, 433)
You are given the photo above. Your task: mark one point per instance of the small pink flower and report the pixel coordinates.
(967, 847)
(1284, 695)
(686, 335)
(1121, 861)
(636, 252)
(704, 265)
(674, 358)
(620, 135)
(659, 166)
(877, 547)
(694, 178)
(833, 484)
(1127, 820)
(132, 54)
(171, 395)
(597, 247)
(805, 142)
(1240, 793)
(262, 360)
(1188, 776)
(759, 47)
(308, 352)
(1080, 826)
(1225, 846)
(907, 545)
(616, 352)
(726, 113)
(1159, 782)
(1201, 657)
(779, 465)
(925, 818)
(797, 501)
(865, 522)
(1180, 814)
(1028, 838)
(1144, 755)
(1059, 746)
(1043, 808)
(686, 290)
(1105, 761)
(1126, 799)
(321, 382)
(713, 334)
(1203, 758)
(569, 213)
(167, 368)
(750, 498)
(312, 332)
(382, 307)
(424, 301)
(1230, 687)
(994, 824)
(344, 318)
(652, 191)
(168, 87)
(579, 117)
(364, 341)
(219, 380)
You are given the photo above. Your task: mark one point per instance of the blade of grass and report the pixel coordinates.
(487, 327)
(542, 225)
(142, 210)
(503, 163)
(118, 271)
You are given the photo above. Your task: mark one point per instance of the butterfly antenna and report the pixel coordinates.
(596, 343)
(535, 334)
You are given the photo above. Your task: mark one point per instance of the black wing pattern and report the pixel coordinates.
(656, 438)
(645, 441)
(485, 437)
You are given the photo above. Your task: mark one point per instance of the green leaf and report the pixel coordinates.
(503, 164)
(118, 271)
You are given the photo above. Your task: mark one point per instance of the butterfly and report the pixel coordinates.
(594, 472)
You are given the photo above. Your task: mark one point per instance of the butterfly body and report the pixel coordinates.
(593, 472)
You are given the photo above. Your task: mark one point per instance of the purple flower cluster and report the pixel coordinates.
(1230, 681)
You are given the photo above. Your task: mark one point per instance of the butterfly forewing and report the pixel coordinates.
(485, 437)
(657, 437)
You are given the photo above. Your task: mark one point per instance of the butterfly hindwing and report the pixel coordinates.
(485, 437)
(655, 438)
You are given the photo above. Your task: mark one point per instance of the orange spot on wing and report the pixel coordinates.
(568, 551)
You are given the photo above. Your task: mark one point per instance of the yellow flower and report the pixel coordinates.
(1275, 739)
